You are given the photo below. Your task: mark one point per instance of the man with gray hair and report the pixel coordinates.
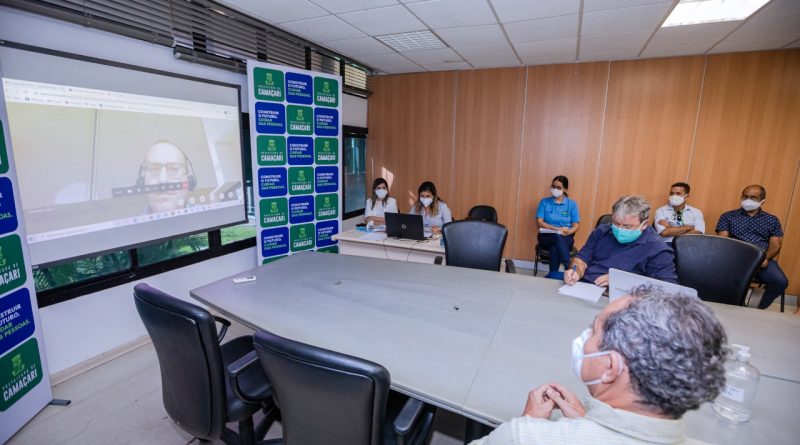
(628, 243)
(646, 359)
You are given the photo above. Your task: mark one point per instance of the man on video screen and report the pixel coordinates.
(168, 168)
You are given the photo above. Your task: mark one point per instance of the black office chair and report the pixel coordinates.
(327, 398)
(475, 244)
(604, 219)
(719, 268)
(483, 213)
(197, 394)
(542, 254)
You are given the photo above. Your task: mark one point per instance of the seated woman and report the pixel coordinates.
(559, 213)
(379, 203)
(434, 210)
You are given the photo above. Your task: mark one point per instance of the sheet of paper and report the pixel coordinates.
(374, 236)
(620, 283)
(584, 291)
(548, 231)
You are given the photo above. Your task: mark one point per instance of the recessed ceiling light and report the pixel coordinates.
(692, 12)
(412, 41)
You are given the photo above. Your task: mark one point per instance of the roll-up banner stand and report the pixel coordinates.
(296, 140)
(24, 380)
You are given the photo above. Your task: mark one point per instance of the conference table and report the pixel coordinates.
(475, 342)
(378, 245)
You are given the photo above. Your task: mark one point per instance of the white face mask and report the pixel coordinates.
(426, 201)
(578, 356)
(381, 193)
(675, 200)
(556, 192)
(749, 204)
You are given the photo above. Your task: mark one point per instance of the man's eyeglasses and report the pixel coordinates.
(174, 169)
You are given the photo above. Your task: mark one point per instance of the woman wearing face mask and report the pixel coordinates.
(379, 203)
(557, 213)
(434, 211)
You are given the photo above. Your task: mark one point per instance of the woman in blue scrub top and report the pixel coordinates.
(434, 210)
(559, 213)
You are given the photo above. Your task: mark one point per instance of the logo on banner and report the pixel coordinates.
(301, 180)
(325, 232)
(302, 237)
(270, 118)
(326, 151)
(301, 209)
(3, 154)
(271, 182)
(274, 212)
(327, 206)
(274, 241)
(16, 319)
(300, 149)
(271, 150)
(326, 122)
(268, 84)
(12, 268)
(298, 88)
(8, 211)
(20, 371)
(327, 179)
(299, 119)
(326, 92)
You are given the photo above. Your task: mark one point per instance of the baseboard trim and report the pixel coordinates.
(87, 365)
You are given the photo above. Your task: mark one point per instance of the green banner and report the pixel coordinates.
(326, 151)
(268, 84)
(326, 92)
(327, 206)
(301, 237)
(271, 150)
(301, 180)
(274, 212)
(12, 268)
(3, 155)
(271, 259)
(329, 249)
(20, 372)
(300, 120)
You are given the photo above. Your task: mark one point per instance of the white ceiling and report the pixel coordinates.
(504, 33)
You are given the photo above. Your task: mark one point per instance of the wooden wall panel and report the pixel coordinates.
(410, 140)
(748, 132)
(649, 125)
(489, 116)
(563, 122)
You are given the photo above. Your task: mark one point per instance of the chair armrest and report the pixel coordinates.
(510, 267)
(438, 260)
(408, 416)
(224, 329)
(236, 369)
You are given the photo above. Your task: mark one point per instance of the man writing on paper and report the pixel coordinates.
(646, 359)
(628, 244)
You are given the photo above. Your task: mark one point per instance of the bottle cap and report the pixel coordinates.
(742, 352)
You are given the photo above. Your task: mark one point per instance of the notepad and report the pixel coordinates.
(584, 291)
(549, 231)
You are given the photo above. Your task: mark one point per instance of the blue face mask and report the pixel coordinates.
(625, 236)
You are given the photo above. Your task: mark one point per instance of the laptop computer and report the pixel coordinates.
(401, 225)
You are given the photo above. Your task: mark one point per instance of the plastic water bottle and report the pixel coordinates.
(741, 382)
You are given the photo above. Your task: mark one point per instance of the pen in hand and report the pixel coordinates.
(573, 277)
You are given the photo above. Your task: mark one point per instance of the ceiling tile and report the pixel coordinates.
(278, 11)
(607, 55)
(543, 29)
(629, 41)
(566, 46)
(363, 46)
(795, 44)
(382, 21)
(750, 45)
(339, 6)
(452, 13)
(449, 66)
(677, 50)
(516, 10)
(323, 29)
(779, 8)
(600, 5)
(685, 35)
(489, 56)
(432, 56)
(391, 63)
(484, 35)
(637, 18)
(548, 60)
(768, 28)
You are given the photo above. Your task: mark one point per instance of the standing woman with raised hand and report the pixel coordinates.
(558, 215)
(379, 203)
(433, 209)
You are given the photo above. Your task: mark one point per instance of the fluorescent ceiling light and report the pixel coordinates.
(412, 41)
(692, 12)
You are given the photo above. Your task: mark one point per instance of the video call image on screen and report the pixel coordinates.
(121, 158)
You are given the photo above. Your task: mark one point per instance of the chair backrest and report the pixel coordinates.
(604, 219)
(483, 213)
(192, 377)
(474, 244)
(719, 268)
(324, 397)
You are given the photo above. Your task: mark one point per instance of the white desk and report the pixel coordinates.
(353, 242)
(474, 342)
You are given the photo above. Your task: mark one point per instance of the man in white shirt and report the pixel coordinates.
(677, 217)
(646, 359)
